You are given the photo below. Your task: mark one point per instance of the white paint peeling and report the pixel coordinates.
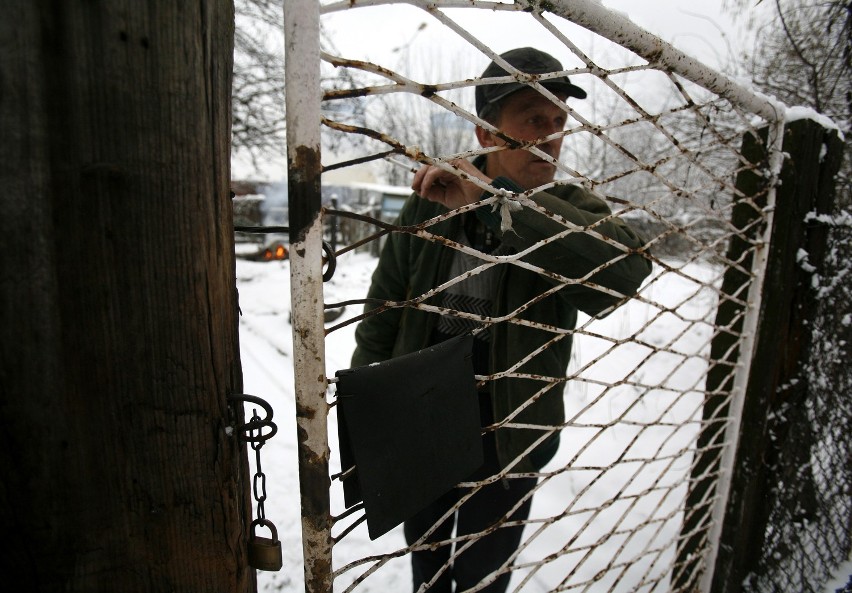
(302, 64)
(303, 96)
(309, 336)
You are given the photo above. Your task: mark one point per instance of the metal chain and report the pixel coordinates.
(259, 476)
(252, 432)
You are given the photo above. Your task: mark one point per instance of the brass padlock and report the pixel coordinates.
(264, 553)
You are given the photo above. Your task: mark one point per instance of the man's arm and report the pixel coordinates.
(578, 253)
(572, 256)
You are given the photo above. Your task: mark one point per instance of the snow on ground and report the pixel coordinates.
(657, 424)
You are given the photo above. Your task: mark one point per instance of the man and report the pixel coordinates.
(410, 266)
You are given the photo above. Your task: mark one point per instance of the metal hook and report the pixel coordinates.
(255, 423)
(331, 259)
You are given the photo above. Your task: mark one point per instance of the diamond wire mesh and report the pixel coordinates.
(805, 534)
(808, 528)
(608, 510)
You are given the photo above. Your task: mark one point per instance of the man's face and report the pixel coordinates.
(525, 115)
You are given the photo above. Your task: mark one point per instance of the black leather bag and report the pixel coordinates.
(410, 426)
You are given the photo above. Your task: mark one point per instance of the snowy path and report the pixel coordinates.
(266, 350)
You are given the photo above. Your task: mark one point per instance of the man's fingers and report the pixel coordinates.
(418, 178)
(428, 181)
(423, 179)
(446, 187)
(435, 177)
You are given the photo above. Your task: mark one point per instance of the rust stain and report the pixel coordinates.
(345, 94)
(305, 412)
(304, 169)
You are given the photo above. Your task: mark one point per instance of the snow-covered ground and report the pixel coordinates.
(628, 454)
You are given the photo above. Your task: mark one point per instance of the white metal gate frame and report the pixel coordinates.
(303, 98)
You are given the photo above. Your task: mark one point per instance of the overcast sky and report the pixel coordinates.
(701, 29)
(383, 34)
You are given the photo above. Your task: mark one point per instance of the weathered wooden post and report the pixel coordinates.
(738, 439)
(806, 186)
(117, 299)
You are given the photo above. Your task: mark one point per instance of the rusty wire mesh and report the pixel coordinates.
(664, 153)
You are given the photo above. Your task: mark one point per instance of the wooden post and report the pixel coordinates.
(746, 217)
(788, 309)
(118, 301)
(806, 185)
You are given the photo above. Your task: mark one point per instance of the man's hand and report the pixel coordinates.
(437, 185)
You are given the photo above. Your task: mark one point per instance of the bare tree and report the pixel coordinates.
(258, 90)
(390, 119)
(804, 57)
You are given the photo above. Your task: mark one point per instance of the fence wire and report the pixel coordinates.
(610, 510)
(809, 528)
(630, 433)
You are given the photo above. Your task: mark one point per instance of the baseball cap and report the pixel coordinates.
(530, 61)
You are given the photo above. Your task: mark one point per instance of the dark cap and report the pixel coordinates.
(530, 61)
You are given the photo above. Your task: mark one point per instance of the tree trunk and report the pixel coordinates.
(118, 299)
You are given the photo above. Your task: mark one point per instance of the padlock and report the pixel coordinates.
(264, 553)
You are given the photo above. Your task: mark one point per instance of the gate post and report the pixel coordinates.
(304, 167)
(806, 186)
(734, 469)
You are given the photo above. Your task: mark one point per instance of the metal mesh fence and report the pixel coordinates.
(608, 511)
(807, 535)
(809, 529)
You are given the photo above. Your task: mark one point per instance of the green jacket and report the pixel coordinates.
(410, 266)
